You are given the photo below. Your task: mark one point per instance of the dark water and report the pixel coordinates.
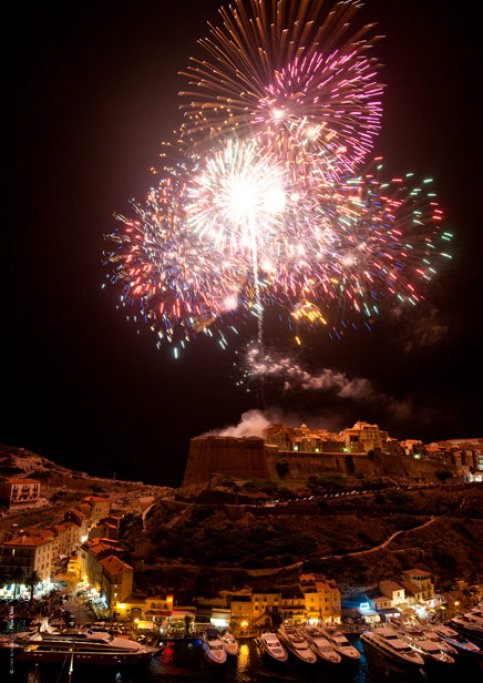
(184, 662)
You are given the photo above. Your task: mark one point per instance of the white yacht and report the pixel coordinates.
(84, 647)
(212, 647)
(230, 644)
(477, 612)
(297, 645)
(456, 640)
(320, 645)
(469, 624)
(434, 636)
(387, 641)
(434, 651)
(271, 646)
(340, 643)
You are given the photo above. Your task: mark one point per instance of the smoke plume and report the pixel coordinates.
(262, 365)
(252, 423)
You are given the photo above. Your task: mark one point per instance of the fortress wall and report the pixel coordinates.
(402, 466)
(250, 458)
(303, 465)
(243, 458)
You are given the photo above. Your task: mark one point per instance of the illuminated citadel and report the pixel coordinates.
(363, 449)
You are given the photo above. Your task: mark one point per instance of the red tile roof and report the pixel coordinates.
(113, 565)
(421, 572)
(28, 541)
(22, 481)
(99, 545)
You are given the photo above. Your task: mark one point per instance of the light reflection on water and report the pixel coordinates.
(183, 662)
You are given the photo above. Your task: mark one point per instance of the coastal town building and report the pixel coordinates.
(153, 607)
(90, 555)
(322, 598)
(418, 585)
(20, 493)
(100, 507)
(81, 519)
(116, 580)
(106, 528)
(27, 553)
(393, 591)
(314, 598)
(67, 538)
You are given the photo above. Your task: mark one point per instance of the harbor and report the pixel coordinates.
(403, 651)
(183, 661)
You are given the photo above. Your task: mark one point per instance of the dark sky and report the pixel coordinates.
(92, 89)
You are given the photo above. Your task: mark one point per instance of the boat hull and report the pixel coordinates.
(399, 661)
(84, 658)
(213, 659)
(271, 656)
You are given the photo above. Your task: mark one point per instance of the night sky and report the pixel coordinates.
(91, 91)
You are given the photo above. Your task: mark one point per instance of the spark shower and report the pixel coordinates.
(268, 195)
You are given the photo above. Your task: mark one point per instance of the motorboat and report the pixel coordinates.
(469, 624)
(84, 647)
(230, 644)
(296, 644)
(432, 651)
(456, 640)
(340, 643)
(271, 646)
(213, 648)
(434, 636)
(477, 613)
(319, 644)
(388, 642)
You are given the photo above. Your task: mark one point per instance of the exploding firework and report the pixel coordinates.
(266, 204)
(236, 199)
(177, 282)
(287, 66)
(231, 234)
(389, 240)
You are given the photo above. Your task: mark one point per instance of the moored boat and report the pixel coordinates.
(477, 613)
(387, 642)
(469, 625)
(319, 644)
(432, 651)
(296, 644)
(212, 647)
(86, 648)
(230, 644)
(271, 646)
(457, 640)
(340, 643)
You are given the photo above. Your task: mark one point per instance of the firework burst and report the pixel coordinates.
(233, 233)
(285, 64)
(266, 203)
(175, 280)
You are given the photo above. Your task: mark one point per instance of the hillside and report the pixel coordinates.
(440, 530)
(62, 488)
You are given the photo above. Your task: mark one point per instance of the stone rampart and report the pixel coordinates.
(243, 458)
(251, 458)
